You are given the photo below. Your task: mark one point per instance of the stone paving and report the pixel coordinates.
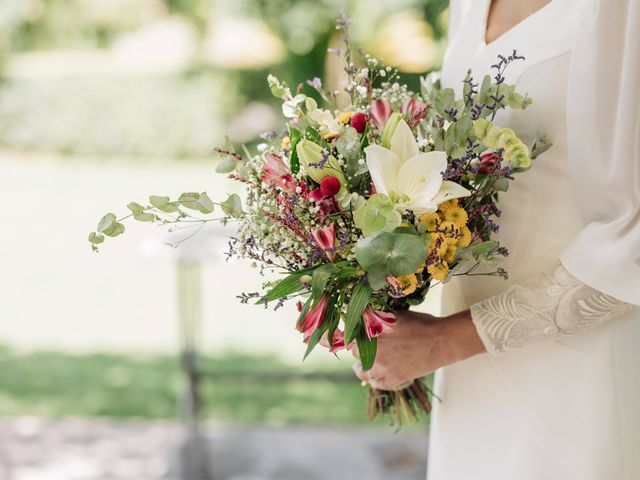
(90, 449)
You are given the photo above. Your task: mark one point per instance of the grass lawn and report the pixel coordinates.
(242, 389)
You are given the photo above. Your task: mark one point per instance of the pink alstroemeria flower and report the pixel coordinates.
(276, 172)
(415, 111)
(338, 341)
(313, 319)
(376, 322)
(325, 238)
(380, 113)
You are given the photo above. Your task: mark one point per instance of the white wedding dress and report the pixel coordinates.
(557, 396)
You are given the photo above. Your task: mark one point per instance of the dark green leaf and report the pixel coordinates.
(359, 300)
(320, 278)
(367, 350)
(284, 287)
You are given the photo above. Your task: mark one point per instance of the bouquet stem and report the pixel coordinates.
(400, 406)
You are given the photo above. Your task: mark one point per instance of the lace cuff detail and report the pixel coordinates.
(549, 307)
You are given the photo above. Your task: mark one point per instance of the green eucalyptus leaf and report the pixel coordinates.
(106, 222)
(96, 238)
(501, 185)
(189, 200)
(144, 217)
(163, 203)
(205, 204)
(135, 208)
(114, 229)
(232, 206)
(394, 253)
(227, 164)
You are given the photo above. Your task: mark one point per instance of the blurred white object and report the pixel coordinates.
(164, 46)
(243, 43)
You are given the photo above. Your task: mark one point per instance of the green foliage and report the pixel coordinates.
(290, 284)
(377, 214)
(391, 253)
(359, 300)
(232, 206)
(367, 348)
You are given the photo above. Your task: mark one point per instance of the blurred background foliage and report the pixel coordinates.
(167, 78)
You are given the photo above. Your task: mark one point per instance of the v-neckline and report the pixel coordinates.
(511, 29)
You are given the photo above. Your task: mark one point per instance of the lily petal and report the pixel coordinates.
(450, 190)
(421, 176)
(403, 143)
(383, 166)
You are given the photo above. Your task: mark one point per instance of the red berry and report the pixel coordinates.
(359, 122)
(329, 186)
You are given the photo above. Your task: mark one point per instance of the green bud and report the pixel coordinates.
(310, 154)
(390, 129)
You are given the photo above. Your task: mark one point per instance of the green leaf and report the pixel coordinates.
(501, 185)
(367, 350)
(135, 207)
(95, 238)
(114, 230)
(376, 215)
(294, 137)
(482, 251)
(394, 253)
(144, 217)
(163, 204)
(189, 200)
(106, 222)
(205, 205)
(284, 287)
(319, 280)
(227, 164)
(232, 206)
(359, 300)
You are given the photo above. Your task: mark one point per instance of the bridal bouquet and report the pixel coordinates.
(363, 202)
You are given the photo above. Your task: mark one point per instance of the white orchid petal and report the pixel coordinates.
(403, 143)
(450, 190)
(383, 166)
(421, 176)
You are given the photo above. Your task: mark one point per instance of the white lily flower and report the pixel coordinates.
(413, 179)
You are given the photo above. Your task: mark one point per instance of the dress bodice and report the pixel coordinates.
(540, 211)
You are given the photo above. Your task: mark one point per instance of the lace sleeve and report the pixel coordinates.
(548, 307)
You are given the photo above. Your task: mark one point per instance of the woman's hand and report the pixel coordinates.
(418, 345)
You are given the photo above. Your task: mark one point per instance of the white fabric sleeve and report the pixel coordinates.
(603, 133)
(548, 307)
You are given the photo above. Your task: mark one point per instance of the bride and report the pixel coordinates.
(539, 376)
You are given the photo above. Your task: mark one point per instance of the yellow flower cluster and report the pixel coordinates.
(449, 231)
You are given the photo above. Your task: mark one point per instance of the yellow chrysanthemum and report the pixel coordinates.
(448, 205)
(431, 221)
(408, 283)
(345, 117)
(438, 244)
(465, 239)
(450, 254)
(456, 215)
(450, 230)
(438, 271)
